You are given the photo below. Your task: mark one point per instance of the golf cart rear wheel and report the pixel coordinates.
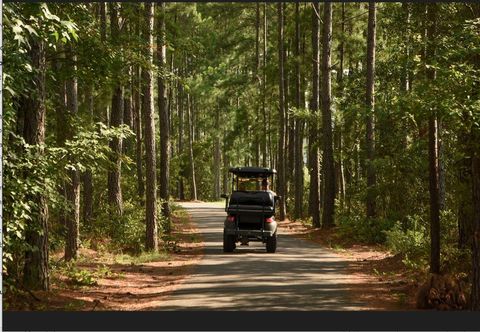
(228, 243)
(272, 243)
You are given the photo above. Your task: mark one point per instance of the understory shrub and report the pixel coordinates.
(412, 241)
(366, 230)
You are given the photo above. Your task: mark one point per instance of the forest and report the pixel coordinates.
(113, 112)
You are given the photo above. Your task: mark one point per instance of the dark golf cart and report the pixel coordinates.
(250, 209)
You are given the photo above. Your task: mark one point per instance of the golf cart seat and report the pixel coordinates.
(252, 202)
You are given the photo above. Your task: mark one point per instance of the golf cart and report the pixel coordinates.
(250, 209)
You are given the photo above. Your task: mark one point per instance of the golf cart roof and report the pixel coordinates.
(252, 172)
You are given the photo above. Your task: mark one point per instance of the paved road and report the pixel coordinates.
(299, 276)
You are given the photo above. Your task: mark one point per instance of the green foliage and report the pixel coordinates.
(412, 242)
(28, 173)
(365, 230)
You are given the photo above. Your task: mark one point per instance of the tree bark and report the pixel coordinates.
(36, 273)
(181, 131)
(151, 242)
(103, 21)
(164, 119)
(259, 87)
(116, 120)
(264, 88)
(193, 183)
(475, 297)
(339, 131)
(281, 139)
(217, 156)
(433, 148)
(137, 115)
(87, 177)
(72, 216)
(370, 108)
(314, 193)
(298, 183)
(137, 119)
(128, 109)
(328, 162)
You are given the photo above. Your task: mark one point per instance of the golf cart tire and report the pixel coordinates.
(228, 243)
(272, 243)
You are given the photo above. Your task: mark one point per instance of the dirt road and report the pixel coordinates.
(300, 276)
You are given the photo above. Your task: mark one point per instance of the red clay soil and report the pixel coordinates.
(125, 286)
(378, 278)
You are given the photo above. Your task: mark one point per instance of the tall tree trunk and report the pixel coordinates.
(116, 120)
(298, 187)
(181, 131)
(217, 156)
(328, 162)
(475, 297)
(72, 216)
(225, 165)
(314, 194)
(281, 139)
(193, 183)
(87, 176)
(164, 119)
(258, 81)
(61, 118)
(149, 120)
(370, 108)
(137, 118)
(103, 21)
(128, 110)
(35, 273)
(264, 88)
(433, 155)
(339, 131)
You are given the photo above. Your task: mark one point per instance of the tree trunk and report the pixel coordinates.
(128, 110)
(87, 177)
(370, 108)
(193, 184)
(72, 216)
(116, 120)
(137, 119)
(149, 130)
(137, 115)
(433, 156)
(259, 86)
(341, 168)
(164, 119)
(328, 162)
(281, 139)
(264, 88)
(298, 183)
(60, 118)
(35, 273)
(217, 156)
(181, 187)
(475, 297)
(225, 166)
(314, 198)
(103, 21)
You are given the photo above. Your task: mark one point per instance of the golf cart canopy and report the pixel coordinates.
(252, 172)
